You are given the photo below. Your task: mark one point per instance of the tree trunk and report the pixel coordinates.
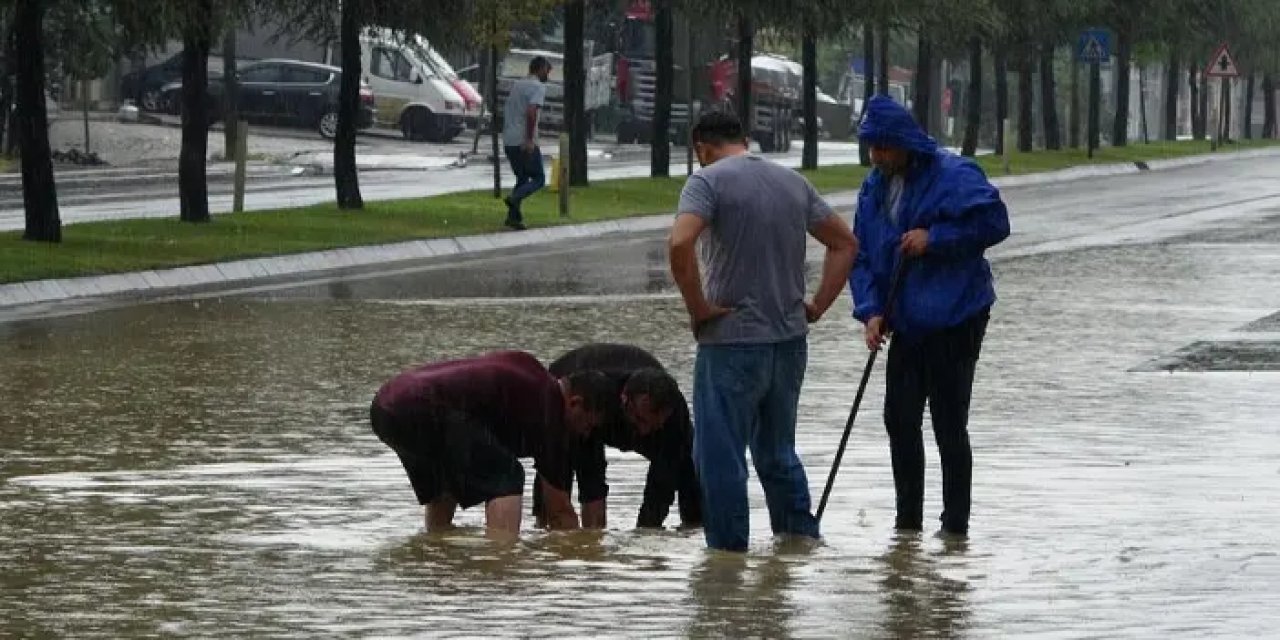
(1073, 136)
(1226, 109)
(1269, 105)
(1171, 97)
(491, 93)
(1049, 100)
(1120, 128)
(809, 58)
(345, 175)
(39, 194)
(575, 92)
(1095, 106)
(746, 49)
(664, 92)
(1002, 94)
(1026, 100)
(1204, 106)
(1197, 116)
(1247, 122)
(882, 60)
(230, 93)
(193, 187)
(868, 84)
(923, 82)
(84, 112)
(973, 104)
(1142, 104)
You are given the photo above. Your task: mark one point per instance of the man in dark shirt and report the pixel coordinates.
(460, 426)
(647, 414)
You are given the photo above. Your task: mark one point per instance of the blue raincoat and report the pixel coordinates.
(950, 197)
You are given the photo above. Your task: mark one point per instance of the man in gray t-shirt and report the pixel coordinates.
(520, 137)
(750, 318)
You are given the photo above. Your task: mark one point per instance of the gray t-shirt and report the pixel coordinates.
(758, 214)
(523, 93)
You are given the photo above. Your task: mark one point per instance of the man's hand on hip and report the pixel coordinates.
(698, 318)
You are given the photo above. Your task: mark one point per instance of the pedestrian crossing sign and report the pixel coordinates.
(1223, 64)
(1094, 46)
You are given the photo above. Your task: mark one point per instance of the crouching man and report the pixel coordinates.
(460, 427)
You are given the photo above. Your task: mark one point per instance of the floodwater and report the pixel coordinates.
(205, 468)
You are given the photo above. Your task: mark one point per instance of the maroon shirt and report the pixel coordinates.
(509, 392)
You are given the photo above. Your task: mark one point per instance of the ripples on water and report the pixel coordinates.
(206, 469)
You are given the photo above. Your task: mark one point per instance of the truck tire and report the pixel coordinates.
(626, 133)
(767, 143)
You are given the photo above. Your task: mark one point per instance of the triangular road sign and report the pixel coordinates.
(1092, 49)
(1222, 65)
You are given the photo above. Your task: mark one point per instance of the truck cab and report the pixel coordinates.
(416, 91)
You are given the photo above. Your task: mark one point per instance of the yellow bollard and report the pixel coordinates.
(554, 183)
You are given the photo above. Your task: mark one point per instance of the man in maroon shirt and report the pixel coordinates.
(460, 426)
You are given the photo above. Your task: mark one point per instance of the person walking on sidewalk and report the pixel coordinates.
(751, 323)
(520, 137)
(939, 211)
(460, 426)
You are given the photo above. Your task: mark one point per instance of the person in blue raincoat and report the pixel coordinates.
(939, 212)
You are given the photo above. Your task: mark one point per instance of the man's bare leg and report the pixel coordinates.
(502, 517)
(440, 514)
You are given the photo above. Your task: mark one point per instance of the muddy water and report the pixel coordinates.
(205, 468)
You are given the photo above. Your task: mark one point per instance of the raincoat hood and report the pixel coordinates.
(889, 124)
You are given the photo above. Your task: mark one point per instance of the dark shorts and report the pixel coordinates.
(448, 454)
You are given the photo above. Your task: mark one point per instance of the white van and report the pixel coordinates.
(413, 93)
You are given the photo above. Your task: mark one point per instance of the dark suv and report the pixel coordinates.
(285, 92)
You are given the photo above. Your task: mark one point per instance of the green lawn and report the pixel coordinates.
(132, 245)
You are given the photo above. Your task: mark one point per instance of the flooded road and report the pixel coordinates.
(205, 468)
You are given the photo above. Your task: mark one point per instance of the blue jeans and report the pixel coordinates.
(530, 177)
(747, 396)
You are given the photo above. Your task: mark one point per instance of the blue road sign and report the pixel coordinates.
(1095, 46)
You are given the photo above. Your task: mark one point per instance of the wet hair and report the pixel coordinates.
(597, 391)
(718, 128)
(661, 388)
(538, 64)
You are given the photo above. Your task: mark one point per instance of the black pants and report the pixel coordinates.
(937, 368)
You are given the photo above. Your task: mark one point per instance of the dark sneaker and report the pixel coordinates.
(515, 225)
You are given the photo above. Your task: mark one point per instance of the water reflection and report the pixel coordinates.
(919, 601)
(739, 596)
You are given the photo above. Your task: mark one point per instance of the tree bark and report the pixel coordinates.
(1269, 104)
(923, 82)
(664, 92)
(491, 94)
(1197, 113)
(1049, 100)
(39, 193)
(1204, 106)
(1073, 135)
(1247, 122)
(1002, 94)
(1120, 128)
(868, 84)
(746, 49)
(345, 174)
(809, 58)
(1026, 100)
(1142, 103)
(1226, 109)
(1095, 106)
(882, 60)
(575, 88)
(1171, 97)
(230, 93)
(973, 105)
(193, 188)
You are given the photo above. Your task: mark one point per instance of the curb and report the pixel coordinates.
(18, 294)
(167, 281)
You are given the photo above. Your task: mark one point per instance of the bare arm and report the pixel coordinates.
(593, 514)
(560, 513)
(531, 124)
(834, 233)
(684, 269)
